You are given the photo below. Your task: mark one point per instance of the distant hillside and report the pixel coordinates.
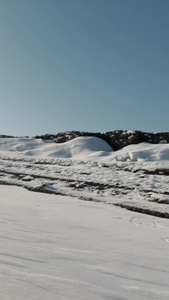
(117, 139)
(6, 136)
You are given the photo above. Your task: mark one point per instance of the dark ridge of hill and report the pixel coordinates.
(117, 139)
(6, 136)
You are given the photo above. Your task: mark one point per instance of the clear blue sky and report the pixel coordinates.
(91, 65)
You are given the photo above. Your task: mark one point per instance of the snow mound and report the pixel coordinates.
(81, 147)
(86, 148)
(143, 152)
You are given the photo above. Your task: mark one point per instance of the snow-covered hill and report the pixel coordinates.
(117, 139)
(80, 147)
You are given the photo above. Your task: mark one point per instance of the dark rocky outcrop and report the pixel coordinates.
(6, 136)
(117, 139)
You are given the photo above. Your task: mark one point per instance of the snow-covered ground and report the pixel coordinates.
(86, 167)
(55, 245)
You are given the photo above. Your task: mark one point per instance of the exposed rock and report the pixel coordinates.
(117, 139)
(6, 136)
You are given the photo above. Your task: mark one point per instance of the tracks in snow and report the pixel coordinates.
(84, 180)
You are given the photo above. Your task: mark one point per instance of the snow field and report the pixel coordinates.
(57, 247)
(62, 247)
(86, 167)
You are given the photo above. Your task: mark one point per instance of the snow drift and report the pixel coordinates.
(85, 148)
(80, 147)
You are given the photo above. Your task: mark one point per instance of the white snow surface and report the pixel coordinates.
(59, 246)
(80, 147)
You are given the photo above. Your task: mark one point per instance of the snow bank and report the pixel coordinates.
(81, 147)
(145, 152)
(85, 148)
